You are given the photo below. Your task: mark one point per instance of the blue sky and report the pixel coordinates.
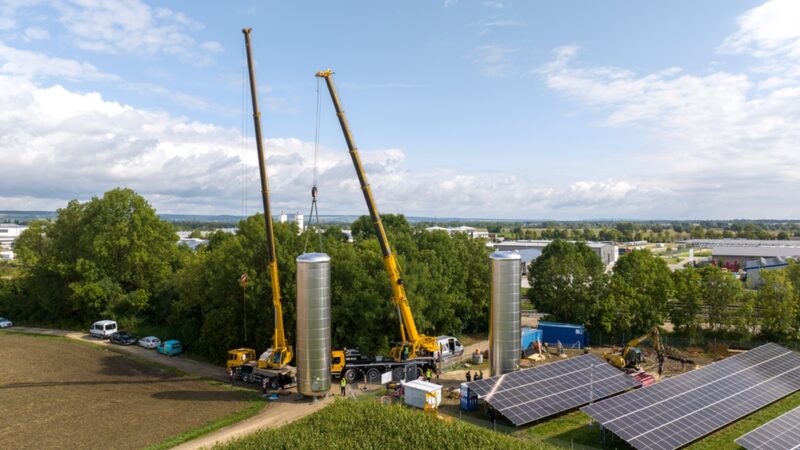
(500, 108)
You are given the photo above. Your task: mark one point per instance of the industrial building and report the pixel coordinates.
(530, 250)
(736, 253)
(754, 268)
(9, 232)
(472, 232)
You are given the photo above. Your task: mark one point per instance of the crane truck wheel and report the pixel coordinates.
(398, 374)
(350, 375)
(373, 376)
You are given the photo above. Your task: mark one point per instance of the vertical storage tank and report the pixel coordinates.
(313, 346)
(504, 317)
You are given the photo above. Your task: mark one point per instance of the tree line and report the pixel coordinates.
(570, 283)
(113, 257)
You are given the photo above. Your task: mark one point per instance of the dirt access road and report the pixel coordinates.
(277, 412)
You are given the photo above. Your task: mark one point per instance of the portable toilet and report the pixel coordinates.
(469, 399)
(530, 336)
(415, 393)
(569, 334)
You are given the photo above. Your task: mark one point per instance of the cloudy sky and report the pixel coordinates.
(466, 108)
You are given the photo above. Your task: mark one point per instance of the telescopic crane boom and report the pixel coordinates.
(419, 345)
(281, 353)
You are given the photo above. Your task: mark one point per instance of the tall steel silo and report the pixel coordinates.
(313, 345)
(504, 315)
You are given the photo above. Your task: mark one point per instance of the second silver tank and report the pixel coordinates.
(504, 315)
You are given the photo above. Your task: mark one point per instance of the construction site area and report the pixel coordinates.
(409, 361)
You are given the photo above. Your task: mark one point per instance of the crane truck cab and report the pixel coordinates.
(240, 356)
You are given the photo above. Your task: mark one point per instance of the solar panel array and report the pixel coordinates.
(531, 394)
(684, 408)
(780, 433)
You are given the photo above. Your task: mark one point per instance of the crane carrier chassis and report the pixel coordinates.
(354, 366)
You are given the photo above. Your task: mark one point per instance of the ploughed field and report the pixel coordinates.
(60, 394)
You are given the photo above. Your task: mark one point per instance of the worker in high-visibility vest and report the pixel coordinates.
(343, 385)
(428, 374)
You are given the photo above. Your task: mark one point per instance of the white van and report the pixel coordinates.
(103, 329)
(449, 347)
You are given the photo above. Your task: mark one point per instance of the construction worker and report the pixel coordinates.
(405, 352)
(343, 386)
(428, 375)
(469, 376)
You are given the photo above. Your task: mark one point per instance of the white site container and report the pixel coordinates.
(415, 393)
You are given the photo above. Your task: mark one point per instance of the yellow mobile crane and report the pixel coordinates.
(276, 359)
(414, 344)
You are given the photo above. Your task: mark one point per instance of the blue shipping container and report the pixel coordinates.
(569, 334)
(529, 336)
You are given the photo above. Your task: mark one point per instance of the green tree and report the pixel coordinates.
(568, 281)
(721, 291)
(778, 303)
(688, 302)
(108, 256)
(746, 319)
(641, 287)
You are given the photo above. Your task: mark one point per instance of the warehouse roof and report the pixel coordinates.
(756, 252)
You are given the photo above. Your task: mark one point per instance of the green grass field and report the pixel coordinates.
(368, 424)
(365, 423)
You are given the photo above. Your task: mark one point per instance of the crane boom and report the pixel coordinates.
(281, 353)
(408, 330)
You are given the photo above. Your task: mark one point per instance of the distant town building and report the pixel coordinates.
(736, 253)
(9, 232)
(7, 255)
(348, 234)
(298, 219)
(472, 232)
(283, 218)
(192, 243)
(530, 250)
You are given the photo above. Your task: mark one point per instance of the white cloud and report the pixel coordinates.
(35, 34)
(772, 29)
(722, 143)
(37, 65)
(494, 60)
(58, 145)
(109, 26)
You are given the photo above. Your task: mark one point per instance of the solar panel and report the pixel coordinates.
(780, 433)
(684, 408)
(531, 394)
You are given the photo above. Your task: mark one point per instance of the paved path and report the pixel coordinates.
(277, 412)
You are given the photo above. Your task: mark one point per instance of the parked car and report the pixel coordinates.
(103, 329)
(171, 347)
(149, 342)
(122, 338)
(5, 323)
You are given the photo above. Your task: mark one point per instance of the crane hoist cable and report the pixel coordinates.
(314, 213)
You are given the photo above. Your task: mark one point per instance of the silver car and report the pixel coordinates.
(149, 342)
(5, 323)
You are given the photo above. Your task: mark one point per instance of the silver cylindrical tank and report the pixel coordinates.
(504, 315)
(313, 346)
